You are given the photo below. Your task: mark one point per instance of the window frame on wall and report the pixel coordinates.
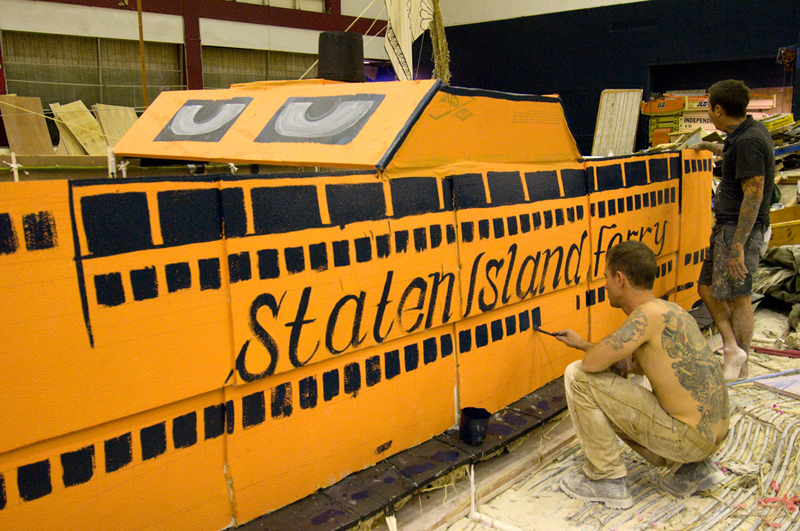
(223, 66)
(81, 67)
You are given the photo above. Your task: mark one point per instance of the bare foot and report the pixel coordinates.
(733, 360)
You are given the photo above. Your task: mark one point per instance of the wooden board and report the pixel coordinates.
(114, 121)
(73, 147)
(84, 127)
(617, 117)
(25, 126)
(785, 224)
(785, 385)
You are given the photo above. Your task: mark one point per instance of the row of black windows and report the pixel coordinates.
(120, 222)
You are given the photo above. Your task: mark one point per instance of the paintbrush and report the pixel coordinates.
(546, 332)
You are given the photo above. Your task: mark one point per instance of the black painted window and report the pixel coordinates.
(285, 209)
(350, 203)
(190, 216)
(116, 223)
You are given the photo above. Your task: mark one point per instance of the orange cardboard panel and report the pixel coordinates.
(163, 469)
(511, 128)
(309, 428)
(501, 357)
(695, 224)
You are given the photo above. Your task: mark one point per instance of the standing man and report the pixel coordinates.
(741, 211)
(678, 425)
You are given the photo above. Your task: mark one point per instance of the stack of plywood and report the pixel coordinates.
(25, 125)
(80, 131)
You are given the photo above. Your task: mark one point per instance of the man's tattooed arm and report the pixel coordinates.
(753, 188)
(631, 330)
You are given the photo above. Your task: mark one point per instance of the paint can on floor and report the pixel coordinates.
(473, 425)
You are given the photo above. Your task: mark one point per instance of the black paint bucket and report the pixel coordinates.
(473, 425)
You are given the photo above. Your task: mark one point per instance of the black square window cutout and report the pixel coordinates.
(2, 492)
(373, 367)
(234, 217)
(239, 267)
(179, 276)
(446, 345)
(436, 236)
(214, 421)
(78, 466)
(268, 264)
(414, 195)
(308, 392)
(184, 430)
(8, 237)
(483, 229)
(33, 480)
(281, 401)
(401, 241)
(481, 335)
(511, 325)
(497, 330)
(429, 350)
(352, 378)
(525, 223)
(524, 321)
(330, 384)
(209, 274)
(464, 341)
(420, 239)
(363, 249)
(40, 231)
(341, 253)
(318, 256)
(230, 417)
(118, 452)
(469, 191)
(352, 203)
(253, 410)
(505, 188)
(499, 227)
(295, 259)
(383, 246)
(282, 209)
(116, 223)
(411, 353)
(542, 185)
(154, 440)
(144, 283)
(190, 216)
(109, 289)
(392, 361)
(451, 234)
(467, 231)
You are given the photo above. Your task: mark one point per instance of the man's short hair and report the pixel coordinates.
(732, 95)
(636, 261)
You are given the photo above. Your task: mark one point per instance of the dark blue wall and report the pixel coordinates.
(655, 45)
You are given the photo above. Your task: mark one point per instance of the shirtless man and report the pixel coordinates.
(679, 425)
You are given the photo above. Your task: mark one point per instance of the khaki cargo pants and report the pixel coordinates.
(604, 406)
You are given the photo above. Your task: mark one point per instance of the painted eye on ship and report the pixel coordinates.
(322, 120)
(203, 120)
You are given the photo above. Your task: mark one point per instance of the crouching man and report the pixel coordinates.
(679, 425)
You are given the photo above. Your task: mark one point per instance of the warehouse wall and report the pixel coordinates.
(577, 54)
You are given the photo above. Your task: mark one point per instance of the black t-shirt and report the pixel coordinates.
(748, 151)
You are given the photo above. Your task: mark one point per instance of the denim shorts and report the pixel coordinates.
(715, 271)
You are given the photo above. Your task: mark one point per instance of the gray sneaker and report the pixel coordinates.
(615, 493)
(690, 478)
